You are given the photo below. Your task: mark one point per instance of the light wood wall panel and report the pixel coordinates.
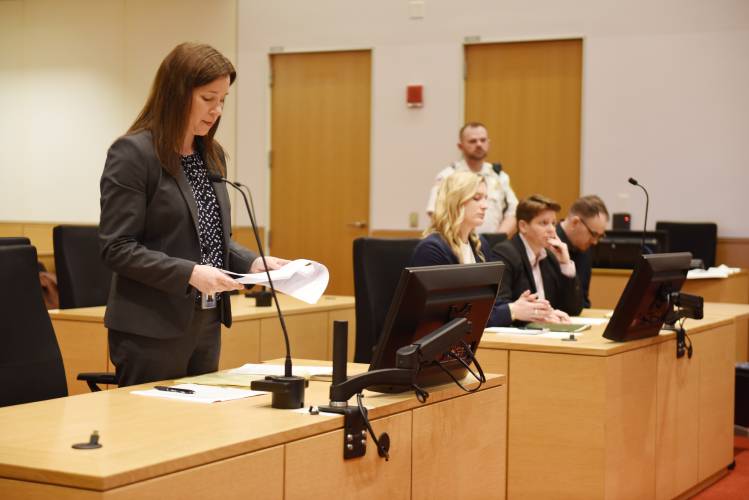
(396, 233)
(40, 234)
(677, 383)
(244, 236)
(318, 459)
(464, 425)
(733, 252)
(716, 396)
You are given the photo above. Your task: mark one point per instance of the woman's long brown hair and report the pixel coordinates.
(167, 108)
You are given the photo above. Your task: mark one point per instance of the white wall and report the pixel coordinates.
(73, 76)
(664, 94)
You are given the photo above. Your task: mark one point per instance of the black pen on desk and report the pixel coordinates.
(166, 388)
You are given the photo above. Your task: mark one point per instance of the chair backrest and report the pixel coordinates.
(700, 238)
(14, 240)
(493, 239)
(82, 278)
(31, 366)
(378, 264)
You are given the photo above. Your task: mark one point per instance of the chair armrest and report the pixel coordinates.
(93, 379)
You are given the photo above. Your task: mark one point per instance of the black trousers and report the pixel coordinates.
(139, 360)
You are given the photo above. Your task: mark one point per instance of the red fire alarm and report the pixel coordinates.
(415, 96)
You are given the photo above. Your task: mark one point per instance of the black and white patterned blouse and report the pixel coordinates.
(210, 228)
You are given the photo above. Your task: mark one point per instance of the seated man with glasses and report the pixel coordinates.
(584, 227)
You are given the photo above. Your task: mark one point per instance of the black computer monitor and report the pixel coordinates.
(621, 249)
(647, 300)
(427, 298)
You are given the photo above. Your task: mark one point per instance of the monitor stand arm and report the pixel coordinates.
(688, 306)
(340, 393)
(409, 360)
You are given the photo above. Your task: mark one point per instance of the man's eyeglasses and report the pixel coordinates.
(595, 235)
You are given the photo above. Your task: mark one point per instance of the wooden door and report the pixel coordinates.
(320, 130)
(528, 94)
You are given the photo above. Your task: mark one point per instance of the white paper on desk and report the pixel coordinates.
(588, 321)
(524, 332)
(512, 330)
(270, 369)
(203, 393)
(722, 271)
(559, 335)
(303, 279)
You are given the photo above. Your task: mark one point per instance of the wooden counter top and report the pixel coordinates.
(592, 342)
(242, 308)
(146, 437)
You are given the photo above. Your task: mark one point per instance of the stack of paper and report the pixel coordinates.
(579, 320)
(722, 271)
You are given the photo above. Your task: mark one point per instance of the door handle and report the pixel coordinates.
(359, 224)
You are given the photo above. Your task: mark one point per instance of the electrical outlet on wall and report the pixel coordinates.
(417, 9)
(413, 219)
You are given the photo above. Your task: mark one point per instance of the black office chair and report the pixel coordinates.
(31, 366)
(699, 238)
(378, 264)
(14, 240)
(493, 239)
(82, 278)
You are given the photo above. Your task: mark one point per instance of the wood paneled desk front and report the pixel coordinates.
(602, 420)
(606, 287)
(451, 447)
(255, 334)
(739, 312)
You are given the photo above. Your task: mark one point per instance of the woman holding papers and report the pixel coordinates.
(451, 239)
(165, 227)
(537, 262)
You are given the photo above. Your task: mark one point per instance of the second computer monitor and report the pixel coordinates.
(647, 299)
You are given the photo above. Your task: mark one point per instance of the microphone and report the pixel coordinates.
(288, 390)
(634, 182)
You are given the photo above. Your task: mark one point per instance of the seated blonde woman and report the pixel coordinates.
(451, 238)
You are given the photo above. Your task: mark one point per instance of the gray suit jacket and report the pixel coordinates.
(148, 235)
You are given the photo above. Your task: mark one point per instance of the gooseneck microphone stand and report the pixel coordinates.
(287, 390)
(634, 182)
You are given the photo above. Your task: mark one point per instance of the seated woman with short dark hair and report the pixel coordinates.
(537, 263)
(451, 238)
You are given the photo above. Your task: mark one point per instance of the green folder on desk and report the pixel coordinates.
(558, 327)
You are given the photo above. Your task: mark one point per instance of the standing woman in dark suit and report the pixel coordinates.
(538, 262)
(165, 228)
(451, 238)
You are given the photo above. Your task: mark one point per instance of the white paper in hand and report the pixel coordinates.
(303, 279)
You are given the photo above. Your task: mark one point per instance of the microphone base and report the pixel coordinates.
(264, 299)
(288, 392)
